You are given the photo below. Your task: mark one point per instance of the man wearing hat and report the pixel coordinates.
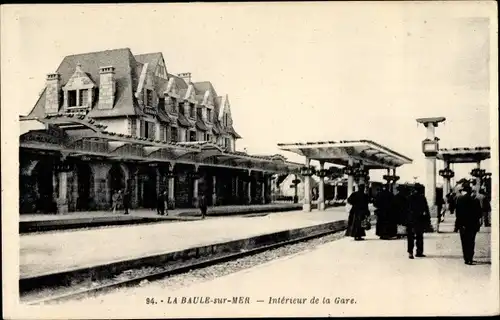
(417, 220)
(468, 221)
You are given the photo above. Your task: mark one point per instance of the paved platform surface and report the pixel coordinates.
(374, 276)
(148, 213)
(66, 250)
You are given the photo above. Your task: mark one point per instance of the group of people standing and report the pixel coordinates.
(121, 200)
(409, 211)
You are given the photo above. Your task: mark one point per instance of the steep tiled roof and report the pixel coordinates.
(203, 86)
(151, 59)
(181, 84)
(218, 102)
(125, 75)
(231, 131)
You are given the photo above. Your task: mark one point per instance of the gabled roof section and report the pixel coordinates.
(190, 93)
(179, 82)
(152, 59)
(125, 76)
(204, 86)
(79, 79)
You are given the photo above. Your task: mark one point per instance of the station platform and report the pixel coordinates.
(349, 278)
(42, 254)
(49, 222)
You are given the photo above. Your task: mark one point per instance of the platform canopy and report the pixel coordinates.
(464, 155)
(371, 154)
(92, 141)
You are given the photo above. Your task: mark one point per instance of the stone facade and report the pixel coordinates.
(89, 185)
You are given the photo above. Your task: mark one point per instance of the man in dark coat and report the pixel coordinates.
(468, 222)
(358, 213)
(160, 205)
(451, 200)
(203, 206)
(417, 220)
(485, 207)
(126, 200)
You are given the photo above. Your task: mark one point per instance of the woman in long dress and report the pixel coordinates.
(386, 221)
(358, 213)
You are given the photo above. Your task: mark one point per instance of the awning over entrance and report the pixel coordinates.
(114, 146)
(464, 155)
(371, 154)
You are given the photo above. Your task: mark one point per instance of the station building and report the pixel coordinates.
(118, 121)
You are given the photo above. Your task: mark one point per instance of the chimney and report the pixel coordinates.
(107, 87)
(185, 76)
(53, 93)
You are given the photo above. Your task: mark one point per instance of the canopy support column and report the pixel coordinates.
(321, 198)
(214, 190)
(263, 190)
(171, 187)
(446, 184)
(307, 189)
(394, 183)
(195, 187)
(249, 189)
(350, 180)
(62, 201)
(478, 179)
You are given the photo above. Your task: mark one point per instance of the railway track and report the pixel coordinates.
(60, 294)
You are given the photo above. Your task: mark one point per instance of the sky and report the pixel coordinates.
(294, 72)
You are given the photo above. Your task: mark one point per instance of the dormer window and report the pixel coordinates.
(72, 98)
(78, 98)
(181, 108)
(172, 104)
(149, 98)
(84, 97)
(209, 115)
(199, 113)
(191, 110)
(78, 92)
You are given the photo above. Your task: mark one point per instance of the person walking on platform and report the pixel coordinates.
(126, 200)
(417, 220)
(440, 208)
(451, 201)
(468, 222)
(160, 204)
(386, 227)
(114, 200)
(203, 206)
(485, 207)
(400, 207)
(358, 214)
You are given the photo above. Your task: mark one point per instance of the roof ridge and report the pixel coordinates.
(94, 52)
